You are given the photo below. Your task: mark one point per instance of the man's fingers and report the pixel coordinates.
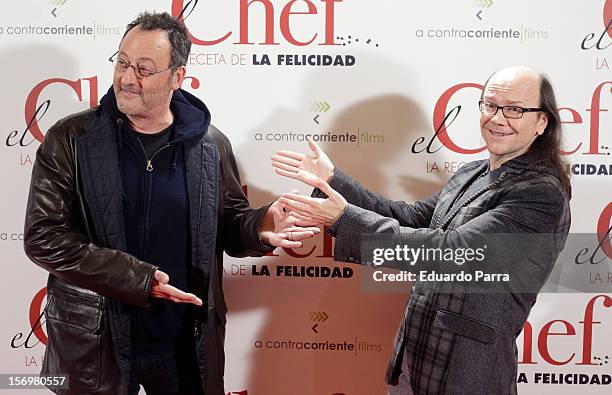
(161, 277)
(312, 229)
(290, 244)
(290, 154)
(306, 177)
(286, 160)
(195, 301)
(303, 218)
(309, 214)
(289, 174)
(306, 221)
(285, 167)
(168, 292)
(295, 205)
(301, 198)
(178, 300)
(329, 191)
(297, 236)
(314, 148)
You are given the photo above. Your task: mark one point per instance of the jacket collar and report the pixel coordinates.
(530, 160)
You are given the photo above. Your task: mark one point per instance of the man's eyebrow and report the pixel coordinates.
(509, 102)
(139, 59)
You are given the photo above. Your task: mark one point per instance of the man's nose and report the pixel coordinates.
(129, 77)
(499, 117)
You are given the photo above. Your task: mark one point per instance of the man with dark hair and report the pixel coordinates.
(128, 198)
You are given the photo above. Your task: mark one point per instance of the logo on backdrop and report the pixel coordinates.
(35, 334)
(590, 145)
(535, 349)
(11, 236)
(597, 42)
(602, 251)
(597, 256)
(315, 341)
(319, 111)
(37, 105)
(58, 30)
(511, 32)
(272, 24)
(607, 16)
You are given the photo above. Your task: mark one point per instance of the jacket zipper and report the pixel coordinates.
(149, 161)
(149, 191)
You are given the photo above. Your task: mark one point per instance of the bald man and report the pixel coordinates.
(453, 340)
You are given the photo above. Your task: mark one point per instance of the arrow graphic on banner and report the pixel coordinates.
(321, 106)
(483, 3)
(57, 3)
(316, 119)
(314, 328)
(318, 316)
(478, 15)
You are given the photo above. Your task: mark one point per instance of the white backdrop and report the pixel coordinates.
(414, 62)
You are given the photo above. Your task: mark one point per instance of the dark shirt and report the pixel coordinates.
(157, 230)
(151, 142)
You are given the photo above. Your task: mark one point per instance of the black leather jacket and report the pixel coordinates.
(74, 229)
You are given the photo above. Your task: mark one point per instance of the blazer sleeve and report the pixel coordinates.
(511, 228)
(416, 215)
(55, 238)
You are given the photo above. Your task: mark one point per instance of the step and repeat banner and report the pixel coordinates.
(389, 89)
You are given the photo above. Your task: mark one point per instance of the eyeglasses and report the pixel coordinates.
(121, 65)
(513, 112)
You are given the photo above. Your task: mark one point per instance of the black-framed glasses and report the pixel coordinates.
(121, 65)
(513, 112)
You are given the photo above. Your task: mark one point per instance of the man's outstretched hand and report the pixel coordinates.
(161, 289)
(280, 228)
(306, 168)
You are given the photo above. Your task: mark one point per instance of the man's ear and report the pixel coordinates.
(178, 77)
(542, 123)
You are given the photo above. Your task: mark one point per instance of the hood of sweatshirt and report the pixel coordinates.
(191, 116)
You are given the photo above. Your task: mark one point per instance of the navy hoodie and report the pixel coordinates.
(156, 213)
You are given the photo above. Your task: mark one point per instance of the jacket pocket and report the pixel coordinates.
(464, 326)
(74, 328)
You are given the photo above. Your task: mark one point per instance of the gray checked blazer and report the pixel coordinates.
(461, 342)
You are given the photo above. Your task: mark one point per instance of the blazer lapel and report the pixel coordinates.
(452, 191)
(491, 181)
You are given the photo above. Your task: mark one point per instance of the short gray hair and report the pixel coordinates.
(174, 28)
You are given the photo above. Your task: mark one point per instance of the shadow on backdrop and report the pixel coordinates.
(284, 306)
